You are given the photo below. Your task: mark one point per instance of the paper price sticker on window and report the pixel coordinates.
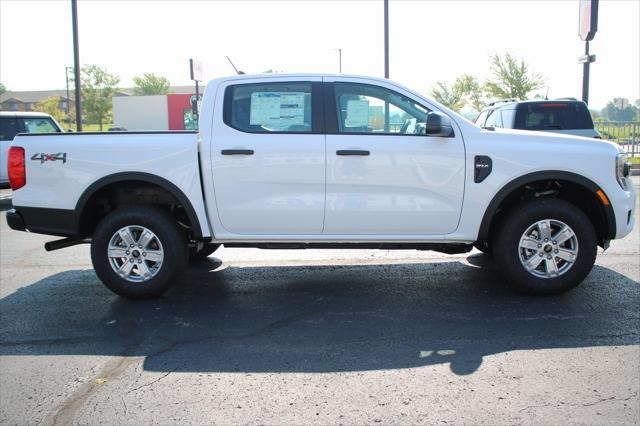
(265, 108)
(277, 110)
(357, 113)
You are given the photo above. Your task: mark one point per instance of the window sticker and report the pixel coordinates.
(265, 108)
(357, 113)
(277, 110)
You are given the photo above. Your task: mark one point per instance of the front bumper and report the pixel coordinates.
(624, 204)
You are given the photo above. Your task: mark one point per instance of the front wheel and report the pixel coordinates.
(545, 246)
(137, 251)
(199, 254)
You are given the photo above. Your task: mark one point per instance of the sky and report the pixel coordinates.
(430, 41)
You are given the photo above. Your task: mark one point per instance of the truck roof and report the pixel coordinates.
(296, 75)
(24, 114)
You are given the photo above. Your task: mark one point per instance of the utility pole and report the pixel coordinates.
(76, 64)
(340, 60)
(386, 38)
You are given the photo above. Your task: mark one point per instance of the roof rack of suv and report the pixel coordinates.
(502, 101)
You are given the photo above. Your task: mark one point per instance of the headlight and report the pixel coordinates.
(622, 170)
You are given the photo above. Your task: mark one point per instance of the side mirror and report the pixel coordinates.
(438, 124)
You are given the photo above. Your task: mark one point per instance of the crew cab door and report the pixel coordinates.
(268, 156)
(385, 176)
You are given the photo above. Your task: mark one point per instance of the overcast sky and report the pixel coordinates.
(429, 40)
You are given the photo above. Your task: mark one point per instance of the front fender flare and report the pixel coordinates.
(489, 214)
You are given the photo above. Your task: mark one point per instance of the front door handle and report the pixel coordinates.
(236, 152)
(352, 152)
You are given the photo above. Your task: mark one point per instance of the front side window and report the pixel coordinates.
(481, 118)
(364, 108)
(269, 107)
(39, 125)
(494, 119)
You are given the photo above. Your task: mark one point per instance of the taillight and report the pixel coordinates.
(16, 169)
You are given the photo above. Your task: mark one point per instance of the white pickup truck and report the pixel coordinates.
(323, 161)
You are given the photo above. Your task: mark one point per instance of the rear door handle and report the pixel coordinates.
(352, 152)
(236, 152)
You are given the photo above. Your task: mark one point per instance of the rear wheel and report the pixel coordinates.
(137, 251)
(545, 246)
(484, 247)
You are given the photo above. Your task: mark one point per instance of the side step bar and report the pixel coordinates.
(64, 243)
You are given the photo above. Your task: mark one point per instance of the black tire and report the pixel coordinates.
(507, 253)
(207, 250)
(167, 231)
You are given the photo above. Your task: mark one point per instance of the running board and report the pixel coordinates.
(452, 248)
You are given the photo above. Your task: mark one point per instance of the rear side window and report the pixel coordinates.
(508, 118)
(554, 116)
(8, 128)
(269, 107)
(39, 125)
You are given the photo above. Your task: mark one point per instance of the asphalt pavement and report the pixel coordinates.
(316, 336)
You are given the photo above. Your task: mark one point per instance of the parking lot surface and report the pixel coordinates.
(316, 336)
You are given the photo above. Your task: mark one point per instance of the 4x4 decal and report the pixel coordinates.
(42, 157)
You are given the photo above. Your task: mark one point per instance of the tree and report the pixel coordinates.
(465, 91)
(50, 106)
(470, 90)
(98, 87)
(511, 78)
(150, 84)
(447, 96)
(620, 109)
(2, 89)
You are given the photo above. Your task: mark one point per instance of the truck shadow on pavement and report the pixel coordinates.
(317, 318)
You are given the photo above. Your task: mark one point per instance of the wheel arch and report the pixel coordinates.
(605, 210)
(148, 178)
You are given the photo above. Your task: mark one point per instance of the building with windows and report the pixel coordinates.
(27, 100)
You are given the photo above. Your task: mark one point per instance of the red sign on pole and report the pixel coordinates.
(588, 24)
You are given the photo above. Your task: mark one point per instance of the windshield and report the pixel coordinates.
(40, 125)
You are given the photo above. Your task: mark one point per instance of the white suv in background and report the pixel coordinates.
(12, 123)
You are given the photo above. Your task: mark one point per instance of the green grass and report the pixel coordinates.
(88, 127)
(634, 160)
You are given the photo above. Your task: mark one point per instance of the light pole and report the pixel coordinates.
(386, 38)
(587, 28)
(339, 49)
(66, 77)
(76, 64)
